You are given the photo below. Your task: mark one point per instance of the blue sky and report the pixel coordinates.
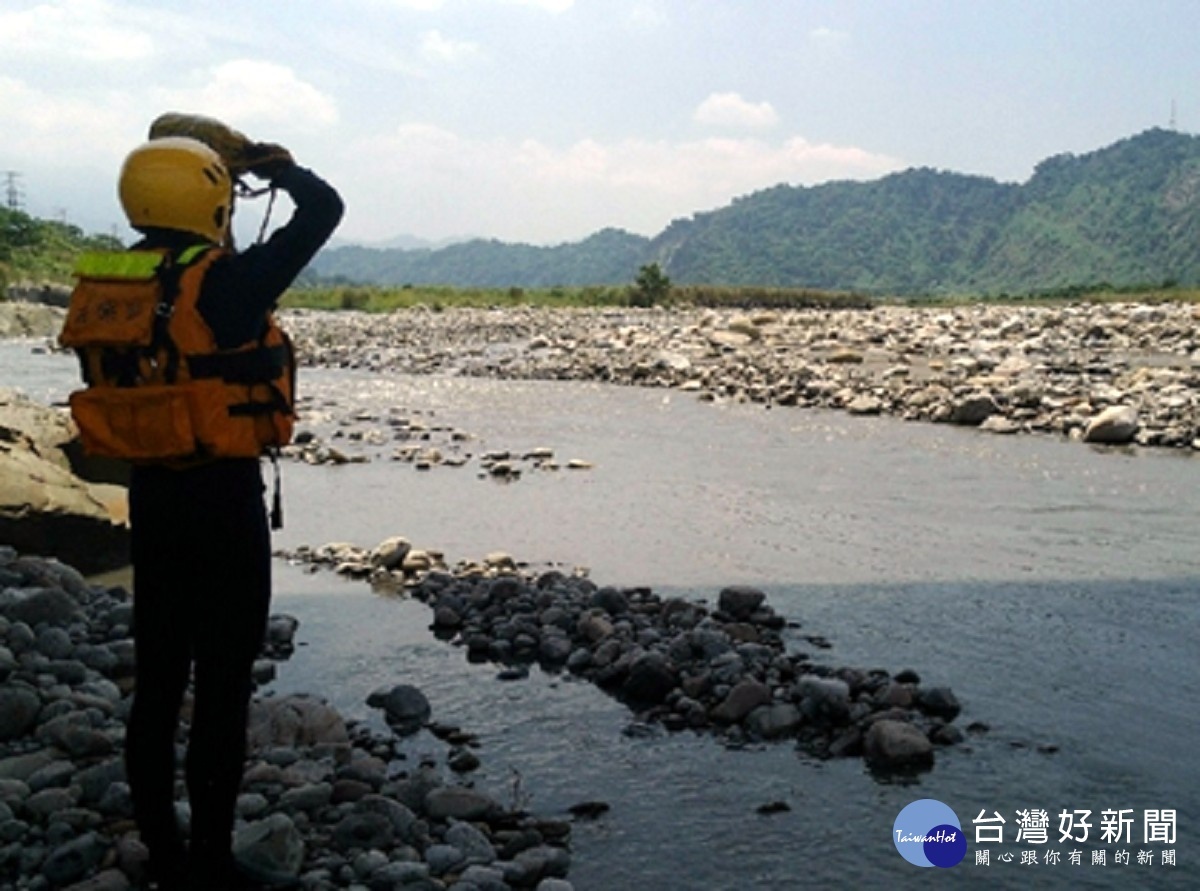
(546, 120)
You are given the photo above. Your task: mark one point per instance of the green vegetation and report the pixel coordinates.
(1120, 216)
(1121, 223)
(373, 298)
(651, 287)
(609, 257)
(41, 251)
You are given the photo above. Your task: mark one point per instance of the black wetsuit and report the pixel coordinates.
(201, 566)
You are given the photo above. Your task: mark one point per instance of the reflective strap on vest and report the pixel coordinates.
(136, 265)
(125, 266)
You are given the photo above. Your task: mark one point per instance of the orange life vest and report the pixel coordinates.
(158, 388)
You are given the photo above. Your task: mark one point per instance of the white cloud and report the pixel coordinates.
(249, 92)
(829, 39)
(67, 155)
(437, 48)
(87, 30)
(47, 128)
(554, 6)
(419, 5)
(731, 110)
(647, 17)
(428, 180)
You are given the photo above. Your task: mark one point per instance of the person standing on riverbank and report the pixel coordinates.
(200, 539)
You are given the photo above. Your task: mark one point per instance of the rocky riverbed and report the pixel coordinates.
(1114, 373)
(1103, 373)
(325, 803)
(688, 665)
(328, 803)
(1121, 374)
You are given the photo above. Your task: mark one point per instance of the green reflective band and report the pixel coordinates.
(129, 265)
(192, 253)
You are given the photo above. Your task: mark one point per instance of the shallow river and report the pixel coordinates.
(1053, 586)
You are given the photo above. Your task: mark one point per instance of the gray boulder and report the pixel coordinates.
(271, 848)
(740, 601)
(460, 803)
(19, 707)
(404, 822)
(1116, 425)
(75, 859)
(391, 553)
(897, 745)
(405, 708)
(33, 606)
(474, 845)
(744, 698)
(824, 699)
(293, 722)
(939, 701)
(973, 409)
(651, 677)
(357, 831)
(774, 721)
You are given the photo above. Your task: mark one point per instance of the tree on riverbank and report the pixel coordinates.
(651, 288)
(43, 251)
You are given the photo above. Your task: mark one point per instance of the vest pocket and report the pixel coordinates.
(141, 423)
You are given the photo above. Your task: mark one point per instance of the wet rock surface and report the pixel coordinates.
(331, 436)
(1005, 369)
(325, 803)
(736, 669)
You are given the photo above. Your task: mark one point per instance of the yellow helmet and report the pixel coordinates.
(177, 183)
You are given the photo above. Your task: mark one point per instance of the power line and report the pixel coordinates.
(12, 189)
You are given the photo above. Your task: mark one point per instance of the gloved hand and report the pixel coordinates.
(266, 160)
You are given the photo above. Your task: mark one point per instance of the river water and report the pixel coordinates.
(1052, 585)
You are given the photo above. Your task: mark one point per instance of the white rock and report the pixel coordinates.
(1114, 426)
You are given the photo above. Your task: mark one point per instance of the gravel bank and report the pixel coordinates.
(325, 804)
(1111, 373)
(1121, 373)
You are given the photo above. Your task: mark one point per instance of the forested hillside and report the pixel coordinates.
(1124, 215)
(608, 257)
(39, 251)
(1127, 214)
(917, 231)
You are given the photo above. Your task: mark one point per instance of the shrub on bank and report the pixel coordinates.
(373, 298)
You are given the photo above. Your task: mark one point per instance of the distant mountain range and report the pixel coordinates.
(402, 242)
(1124, 215)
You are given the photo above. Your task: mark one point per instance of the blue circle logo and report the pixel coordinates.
(927, 833)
